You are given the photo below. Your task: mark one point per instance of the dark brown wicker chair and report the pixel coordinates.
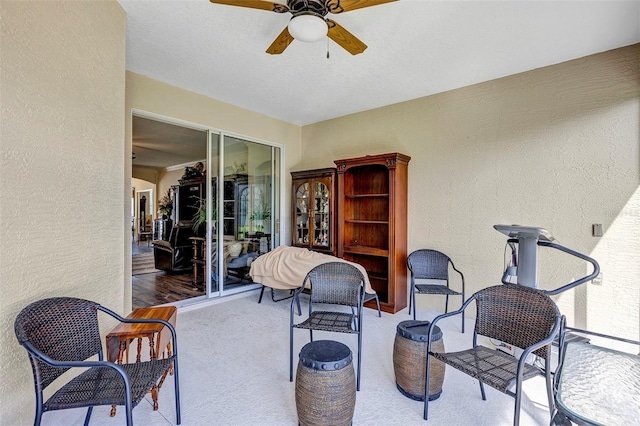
(432, 265)
(60, 334)
(334, 283)
(517, 315)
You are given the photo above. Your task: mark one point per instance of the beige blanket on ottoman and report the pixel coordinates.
(284, 268)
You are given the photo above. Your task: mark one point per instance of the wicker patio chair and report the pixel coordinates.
(432, 265)
(332, 283)
(62, 333)
(517, 315)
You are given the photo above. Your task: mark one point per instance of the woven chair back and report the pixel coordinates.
(63, 328)
(429, 264)
(516, 314)
(337, 283)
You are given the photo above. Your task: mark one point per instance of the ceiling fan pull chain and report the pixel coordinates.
(327, 47)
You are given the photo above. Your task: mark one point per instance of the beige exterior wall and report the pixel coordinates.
(556, 147)
(61, 168)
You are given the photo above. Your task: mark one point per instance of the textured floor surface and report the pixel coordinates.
(234, 371)
(143, 263)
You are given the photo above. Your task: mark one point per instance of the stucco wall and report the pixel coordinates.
(555, 147)
(61, 168)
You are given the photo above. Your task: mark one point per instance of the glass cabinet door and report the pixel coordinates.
(322, 224)
(302, 214)
(313, 206)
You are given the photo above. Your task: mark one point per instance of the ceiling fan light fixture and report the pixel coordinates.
(308, 27)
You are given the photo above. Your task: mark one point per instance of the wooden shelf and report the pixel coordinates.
(366, 195)
(372, 223)
(372, 251)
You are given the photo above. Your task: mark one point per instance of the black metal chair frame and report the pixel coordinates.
(334, 283)
(367, 297)
(433, 265)
(521, 316)
(60, 334)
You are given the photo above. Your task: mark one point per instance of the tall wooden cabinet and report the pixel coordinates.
(313, 207)
(372, 222)
(234, 204)
(186, 198)
(190, 194)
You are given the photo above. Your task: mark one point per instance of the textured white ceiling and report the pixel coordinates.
(416, 48)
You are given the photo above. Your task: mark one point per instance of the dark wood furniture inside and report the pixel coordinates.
(199, 261)
(162, 229)
(235, 195)
(187, 197)
(238, 255)
(191, 193)
(313, 207)
(372, 222)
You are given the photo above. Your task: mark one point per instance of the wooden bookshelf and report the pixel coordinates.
(372, 222)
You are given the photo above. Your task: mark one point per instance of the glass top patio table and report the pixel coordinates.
(598, 385)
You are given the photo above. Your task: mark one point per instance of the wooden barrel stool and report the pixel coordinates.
(410, 359)
(325, 384)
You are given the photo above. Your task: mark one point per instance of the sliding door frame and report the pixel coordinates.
(277, 182)
(277, 172)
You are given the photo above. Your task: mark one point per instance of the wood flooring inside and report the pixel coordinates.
(162, 287)
(158, 288)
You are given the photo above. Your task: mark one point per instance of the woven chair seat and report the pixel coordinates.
(495, 368)
(104, 386)
(435, 289)
(329, 321)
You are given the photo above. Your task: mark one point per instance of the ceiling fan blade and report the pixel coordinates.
(339, 6)
(344, 38)
(280, 43)
(255, 4)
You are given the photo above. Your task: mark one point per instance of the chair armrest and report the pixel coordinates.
(295, 299)
(161, 244)
(73, 364)
(459, 272)
(446, 315)
(82, 364)
(547, 341)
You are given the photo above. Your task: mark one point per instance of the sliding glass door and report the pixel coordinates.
(218, 202)
(244, 205)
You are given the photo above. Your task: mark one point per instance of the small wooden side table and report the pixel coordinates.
(159, 338)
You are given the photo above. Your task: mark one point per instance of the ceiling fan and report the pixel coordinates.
(309, 22)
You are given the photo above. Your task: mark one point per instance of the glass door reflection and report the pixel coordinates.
(244, 211)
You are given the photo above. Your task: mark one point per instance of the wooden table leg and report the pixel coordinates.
(156, 388)
(152, 349)
(154, 397)
(170, 355)
(123, 346)
(139, 349)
